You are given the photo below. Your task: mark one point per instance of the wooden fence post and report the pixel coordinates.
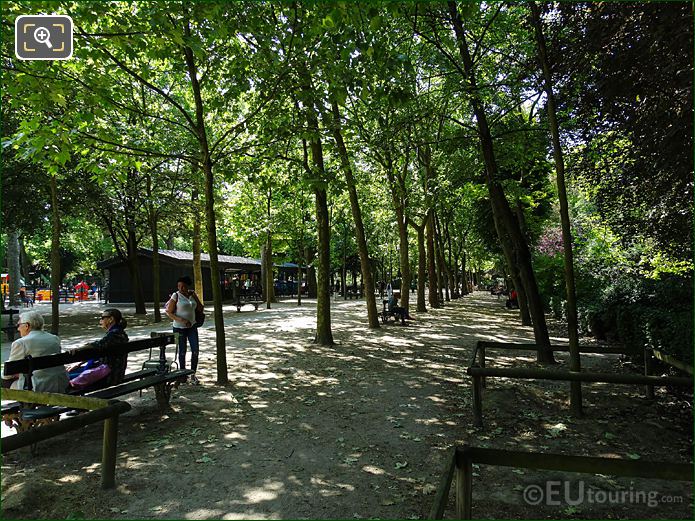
(482, 361)
(648, 371)
(108, 453)
(477, 401)
(464, 485)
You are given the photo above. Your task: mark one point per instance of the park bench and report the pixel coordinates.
(98, 410)
(155, 373)
(248, 298)
(461, 460)
(11, 328)
(353, 293)
(387, 314)
(479, 372)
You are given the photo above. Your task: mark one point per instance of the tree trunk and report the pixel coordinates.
(55, 257)
(269, 275)
(156, 274)
(134, 270)
(324, 335)
(299, 282)
(421, 267)
(398, 196)
(575, 362)
(432, 283)
(210, 221)
(444, 270)
(24, 263)
(197, 247)
(156, 297)
(508, 225)
(368, 281)
(13, 267)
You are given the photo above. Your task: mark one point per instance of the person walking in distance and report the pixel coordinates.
(181, 308)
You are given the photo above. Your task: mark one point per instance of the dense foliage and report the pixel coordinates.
(375, 88)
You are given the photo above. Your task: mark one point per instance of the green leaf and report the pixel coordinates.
(375, 23)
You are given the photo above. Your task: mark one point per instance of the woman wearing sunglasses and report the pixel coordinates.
(98, 368)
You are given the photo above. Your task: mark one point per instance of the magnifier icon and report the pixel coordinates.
(43, 35)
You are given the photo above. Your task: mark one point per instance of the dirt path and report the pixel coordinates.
(359, 430)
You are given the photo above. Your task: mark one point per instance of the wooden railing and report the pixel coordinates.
(460, 466)
(98, 410)
(654, 354)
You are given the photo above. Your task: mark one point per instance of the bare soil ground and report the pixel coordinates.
(357, 430)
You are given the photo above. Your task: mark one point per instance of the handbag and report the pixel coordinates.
(90, 376)
(199, 317)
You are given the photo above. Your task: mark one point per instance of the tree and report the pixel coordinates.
(575, 364)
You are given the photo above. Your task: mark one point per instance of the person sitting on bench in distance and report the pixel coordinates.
(395, 308)
(112, 321)
(35, 341)
(513, 300)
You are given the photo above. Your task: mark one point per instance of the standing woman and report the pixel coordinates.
(181, 309)
(35, 341)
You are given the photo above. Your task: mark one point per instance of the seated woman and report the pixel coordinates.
(395, 308)
(35, 341)
(93, 370)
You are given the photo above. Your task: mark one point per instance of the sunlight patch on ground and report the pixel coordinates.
(235, 436)
(268, 492)
(373, 470)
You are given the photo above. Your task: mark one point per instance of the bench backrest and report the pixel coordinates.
(29, 364)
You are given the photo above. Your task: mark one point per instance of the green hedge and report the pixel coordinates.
(635, 311)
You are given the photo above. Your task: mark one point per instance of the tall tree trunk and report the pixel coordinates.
(421, 266)
(508, 225)
(55, 257)
(134, 270)
(24, 264)
(445, 271)
(156, 297)
(299, 282)
(269, 281)
(575, 362)
(398, 196)
(210, 221)
(433, 278)
(156, 273)
(13, 267)
(269, 275)
(324, 335)
(464, 274)
(372, 313)
(197, 247)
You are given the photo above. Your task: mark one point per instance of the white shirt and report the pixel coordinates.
(185, 308)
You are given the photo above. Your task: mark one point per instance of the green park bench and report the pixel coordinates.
(155, 374)
(249, 298)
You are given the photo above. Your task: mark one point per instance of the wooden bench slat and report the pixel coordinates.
(136, 375)
(129, 387)
(80, 355)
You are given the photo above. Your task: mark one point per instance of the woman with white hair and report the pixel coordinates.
(35, 341)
